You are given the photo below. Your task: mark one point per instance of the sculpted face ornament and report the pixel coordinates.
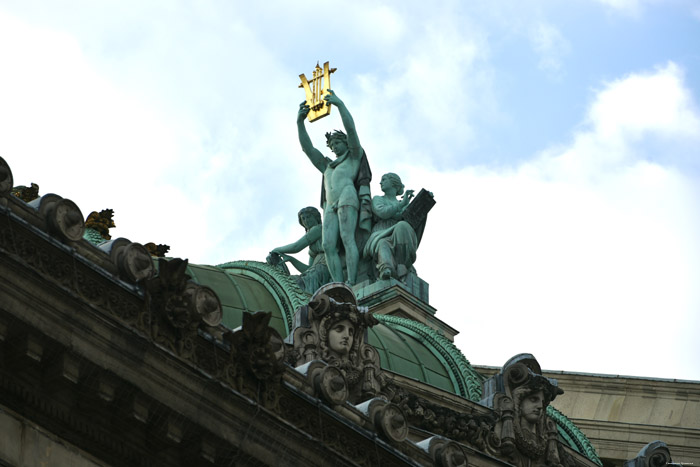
(531, 409)
(340, 337)
(333, 329)
(520, 395)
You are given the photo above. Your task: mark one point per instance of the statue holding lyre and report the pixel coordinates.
(345, 183)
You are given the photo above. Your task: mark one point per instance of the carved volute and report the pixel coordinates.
(654, 454)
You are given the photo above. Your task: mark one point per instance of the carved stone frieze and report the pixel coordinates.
(473, 429)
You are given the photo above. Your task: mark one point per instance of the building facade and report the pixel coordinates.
(110, 356)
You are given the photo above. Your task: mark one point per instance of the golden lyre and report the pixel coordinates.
(316, 90)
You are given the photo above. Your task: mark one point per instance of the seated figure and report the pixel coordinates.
(393, 242)
(315, 273)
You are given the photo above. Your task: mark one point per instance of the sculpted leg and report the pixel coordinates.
(385, 260)
(347, 220)
(330, 244)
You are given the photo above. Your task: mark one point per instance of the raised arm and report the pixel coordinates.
(311, 236)
(311, 152)
(348, 122)
(295, 247)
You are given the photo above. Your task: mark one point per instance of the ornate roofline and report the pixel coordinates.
(468, 380)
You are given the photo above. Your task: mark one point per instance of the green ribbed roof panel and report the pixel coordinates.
(573, 436)
(247, 289)
(427, 356)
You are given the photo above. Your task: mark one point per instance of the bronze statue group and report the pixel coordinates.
(358, 238)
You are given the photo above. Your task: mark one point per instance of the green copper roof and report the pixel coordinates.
(249, 287)
(439, 362)
(572, 435)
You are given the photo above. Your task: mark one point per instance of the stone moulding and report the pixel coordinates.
(469, 381)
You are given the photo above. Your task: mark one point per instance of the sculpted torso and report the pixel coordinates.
(339, 182)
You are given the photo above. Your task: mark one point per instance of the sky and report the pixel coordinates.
(561, 141)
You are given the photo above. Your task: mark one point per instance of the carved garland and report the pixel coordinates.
(468, 379)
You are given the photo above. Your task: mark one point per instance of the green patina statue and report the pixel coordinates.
(393, 242)
(345, 184)
(314, 274)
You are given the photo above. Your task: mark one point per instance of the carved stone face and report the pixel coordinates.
(532, 406)
(340, 337)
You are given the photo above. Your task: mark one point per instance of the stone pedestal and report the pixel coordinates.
(407, 300)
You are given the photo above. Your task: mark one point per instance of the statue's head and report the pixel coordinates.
(392, 180)
(309, 216)
(337, 141)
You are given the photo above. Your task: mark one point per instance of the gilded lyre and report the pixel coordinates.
(316, 90)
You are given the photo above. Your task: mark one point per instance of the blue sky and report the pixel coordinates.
(560, 139)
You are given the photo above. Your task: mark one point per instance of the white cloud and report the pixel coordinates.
(175, 170)
(650, 102)
(588, 246)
